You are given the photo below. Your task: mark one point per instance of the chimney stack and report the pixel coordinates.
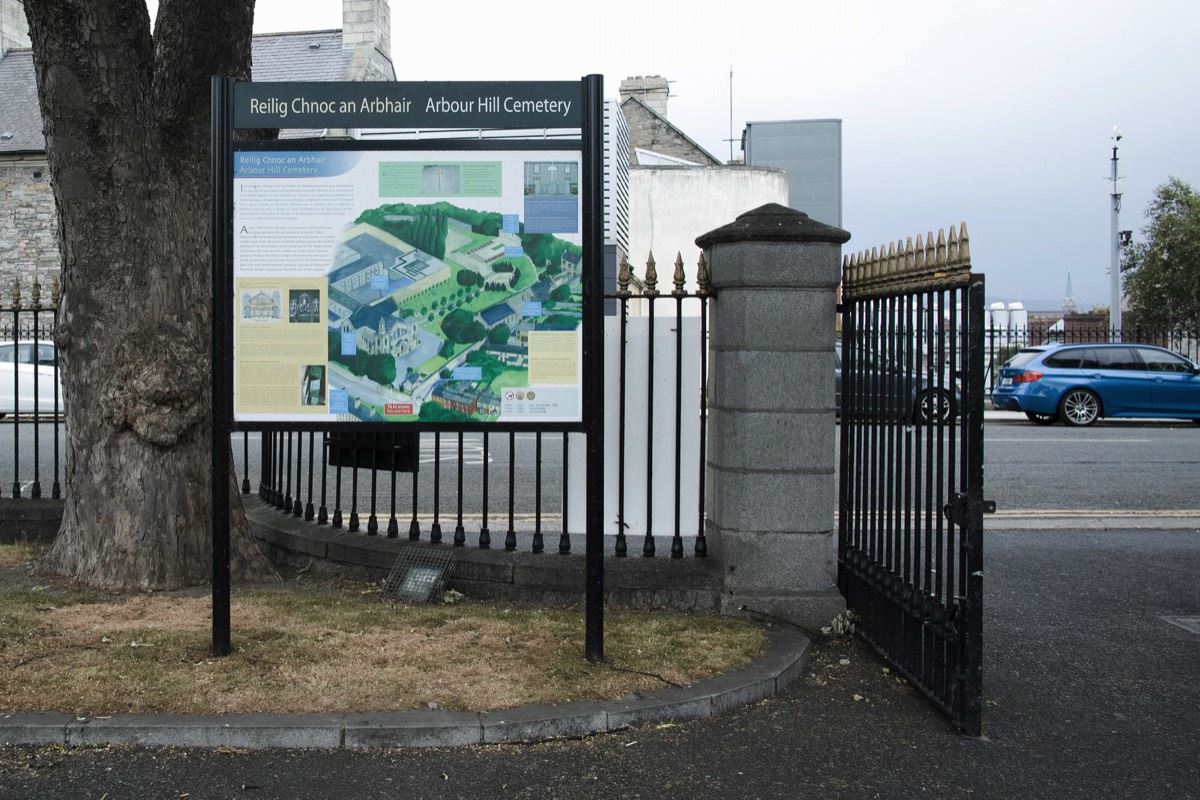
(653, 90)
(367, 22)
(14, 30)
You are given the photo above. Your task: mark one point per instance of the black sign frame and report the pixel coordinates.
(535, 105)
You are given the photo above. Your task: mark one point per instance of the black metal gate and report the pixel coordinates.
(910, 522)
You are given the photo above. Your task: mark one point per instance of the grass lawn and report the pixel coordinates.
(320, 643)
(512, 378)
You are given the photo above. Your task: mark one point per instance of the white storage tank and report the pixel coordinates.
(999, 317)
(1018, 322)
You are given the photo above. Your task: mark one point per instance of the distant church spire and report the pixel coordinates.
(1069, 298)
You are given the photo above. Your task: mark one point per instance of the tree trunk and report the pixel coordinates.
(127, 129)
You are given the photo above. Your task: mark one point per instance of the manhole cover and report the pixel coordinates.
(1187, 623)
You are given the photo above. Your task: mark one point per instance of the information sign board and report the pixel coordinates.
(398, 286)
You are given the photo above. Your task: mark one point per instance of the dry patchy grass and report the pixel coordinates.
(337, 648)
(12, 555)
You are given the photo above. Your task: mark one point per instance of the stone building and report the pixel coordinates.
(644, 104)
(359, 51)
(28, 224)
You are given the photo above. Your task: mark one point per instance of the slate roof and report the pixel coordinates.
(371, 316)
(341, 298)
(507, 349)
(297, 56)
(19, 112)
(541, 290)
(456, 392)
(352, 268)
(303, 56)
(496, 314)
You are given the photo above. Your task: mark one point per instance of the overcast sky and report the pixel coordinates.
(998, 114)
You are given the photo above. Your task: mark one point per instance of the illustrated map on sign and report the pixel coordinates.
(445, 314)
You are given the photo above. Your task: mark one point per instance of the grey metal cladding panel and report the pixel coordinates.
(811, 170)
(810, 194)
(797, 127)
(829, 214)
(798, 146)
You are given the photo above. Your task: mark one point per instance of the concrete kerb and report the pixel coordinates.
(784, 661)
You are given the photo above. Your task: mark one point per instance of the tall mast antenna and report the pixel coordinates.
(731, 113)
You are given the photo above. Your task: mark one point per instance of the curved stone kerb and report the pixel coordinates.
(773, 223)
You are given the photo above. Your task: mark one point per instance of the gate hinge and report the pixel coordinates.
(956, 509)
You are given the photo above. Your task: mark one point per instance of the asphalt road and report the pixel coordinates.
(1089, 692)
(1112, 466)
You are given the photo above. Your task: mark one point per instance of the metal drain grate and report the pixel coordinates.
(1187, 623)
(420, 574)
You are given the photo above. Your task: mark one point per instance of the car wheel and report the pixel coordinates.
(1041, 419)
(935, 406)
(1079, 407)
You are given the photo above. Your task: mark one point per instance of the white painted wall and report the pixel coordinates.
(647, 469)
(670, 206)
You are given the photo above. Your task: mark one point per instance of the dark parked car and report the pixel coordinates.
(1079, 384)
(891, 391)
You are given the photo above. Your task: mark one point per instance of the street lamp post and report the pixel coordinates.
(1114, 271)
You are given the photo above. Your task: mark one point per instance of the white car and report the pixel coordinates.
(21, 373)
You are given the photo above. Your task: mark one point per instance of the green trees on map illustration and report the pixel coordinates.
(427, 224)
(432, 412)
(429, 234)
(424, 227)
(379, 368)
(499, 334)
(485, 273)
(546, 249)
(489, 366)
(461, 327)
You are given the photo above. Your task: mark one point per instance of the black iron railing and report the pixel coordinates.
(31, 408)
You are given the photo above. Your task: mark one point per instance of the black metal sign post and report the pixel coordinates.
(562, 105)
(222, 270)
(593, 366)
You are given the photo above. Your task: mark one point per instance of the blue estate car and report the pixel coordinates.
(1081, 383)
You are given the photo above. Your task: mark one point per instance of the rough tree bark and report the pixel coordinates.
(126, 119)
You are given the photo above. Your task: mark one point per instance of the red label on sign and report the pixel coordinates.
(397, 409)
